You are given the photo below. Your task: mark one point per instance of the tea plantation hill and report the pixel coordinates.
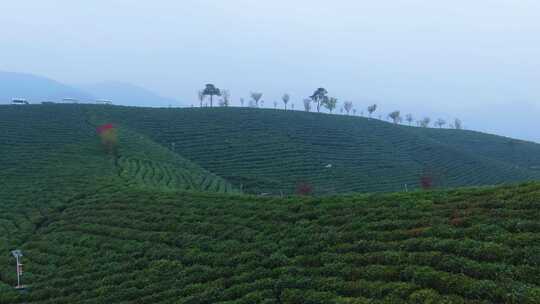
(153, 227)
(271, 151)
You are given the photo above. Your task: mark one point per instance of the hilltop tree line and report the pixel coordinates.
(318, 100)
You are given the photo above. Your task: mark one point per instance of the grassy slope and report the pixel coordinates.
(272, 151)
(122, 245)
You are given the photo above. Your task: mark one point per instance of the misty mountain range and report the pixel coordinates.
(37, 89)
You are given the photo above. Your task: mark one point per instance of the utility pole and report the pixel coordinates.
(18, 256)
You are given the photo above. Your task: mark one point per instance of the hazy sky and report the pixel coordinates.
(477, 60)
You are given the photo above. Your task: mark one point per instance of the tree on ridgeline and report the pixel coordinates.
(409, 118)
(319, 97)
(330, 103)
(275, 104)
(424, 123)
(307, 104)
(225, 98)
(256, 97)
(286, 97)
(395, 117)
(292, 106)
(348, 105)
(440, 122)
(211, 90)
(354, 111)
(372, 108)
(458, 125)
(200, 96)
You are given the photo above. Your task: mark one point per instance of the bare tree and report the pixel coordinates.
(225, 98)
(372, 108)
(424, 123)
(286, 97)
(348, 105)
(307, 104)
(256, 96)
(201, 97)
(409, 118)
(292, 106)
(395, 116)
(275, 104)
(242, 102)
(458, 125)
(440, 122)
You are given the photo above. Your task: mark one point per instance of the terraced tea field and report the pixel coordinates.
(151, 223)
(269, 151)
(126, 245)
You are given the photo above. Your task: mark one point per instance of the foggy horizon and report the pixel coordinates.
(473, 61)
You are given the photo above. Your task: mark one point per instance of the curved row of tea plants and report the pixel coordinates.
(121, 245)
(272, 151)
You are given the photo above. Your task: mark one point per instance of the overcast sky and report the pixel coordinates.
(477, 60)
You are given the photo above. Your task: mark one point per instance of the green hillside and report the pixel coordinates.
(122, 245)
(49, 144)
(151, 225)
(271, 151)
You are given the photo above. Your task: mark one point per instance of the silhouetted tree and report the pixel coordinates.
(424, 123)
(242, 102)
(372, 108)
(307, 104)
(285, 98)
(409, 118)
(211, 90)
(395, 116)
(348, 105)
(440, 122)
(319, 97)
(225, 95)
(201, 98)
(275, 104)
(354, 112)
(458, 125)
(330, 103)
(256, 96)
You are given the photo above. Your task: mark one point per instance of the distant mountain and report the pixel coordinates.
(128, 94)
(36, 89)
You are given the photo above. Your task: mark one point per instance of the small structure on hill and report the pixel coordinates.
(70, 100)
(19, 101)
(104, 102)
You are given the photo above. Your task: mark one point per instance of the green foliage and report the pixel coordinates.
(99, 229)
(268, 151)
(121, 244)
